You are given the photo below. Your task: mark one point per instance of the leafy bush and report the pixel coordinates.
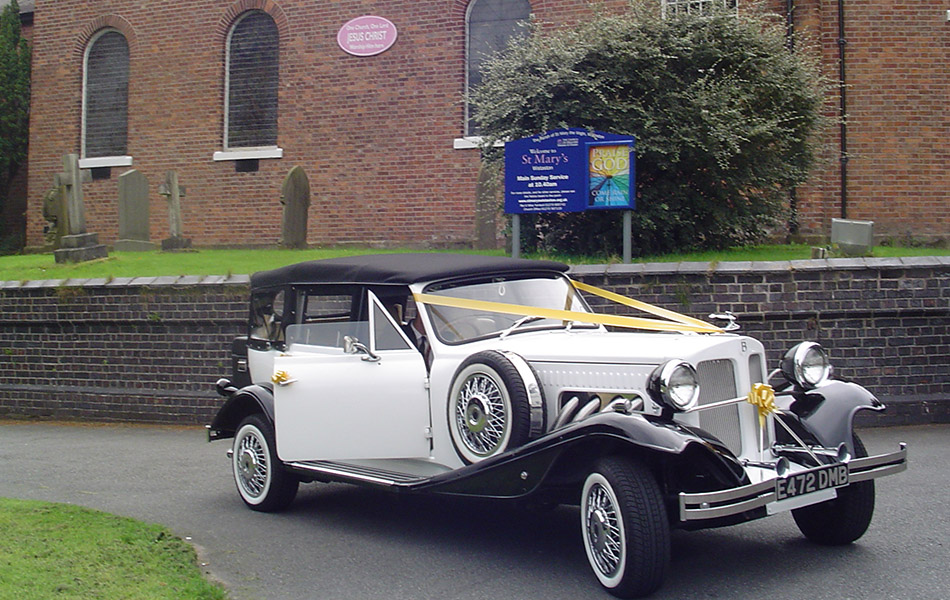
(725, 120)
(14, 95)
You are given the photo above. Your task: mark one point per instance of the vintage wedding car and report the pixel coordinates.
(492, 377)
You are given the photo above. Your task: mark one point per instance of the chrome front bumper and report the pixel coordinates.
(724, 503)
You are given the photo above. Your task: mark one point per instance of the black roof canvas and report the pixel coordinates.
(399, 269)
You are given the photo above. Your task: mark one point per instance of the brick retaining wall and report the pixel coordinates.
(150, 349)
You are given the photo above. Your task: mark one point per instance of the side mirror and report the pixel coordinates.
(352, 345)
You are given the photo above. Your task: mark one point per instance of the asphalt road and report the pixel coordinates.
(342, 542)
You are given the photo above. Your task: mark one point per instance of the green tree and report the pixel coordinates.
(14, 96)
(725, 119)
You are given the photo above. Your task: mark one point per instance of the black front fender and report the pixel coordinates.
(564, 456)
(239, 405)
(827, 413)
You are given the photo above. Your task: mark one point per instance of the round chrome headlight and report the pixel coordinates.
(674, 384)
(807, 365)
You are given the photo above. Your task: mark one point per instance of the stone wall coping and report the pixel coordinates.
(778, 266)
(821, 264)
(164, 281)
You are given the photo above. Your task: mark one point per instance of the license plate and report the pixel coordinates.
(812, 480)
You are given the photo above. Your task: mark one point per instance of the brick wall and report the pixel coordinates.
(897, 122)
(151, 349)
(145, 350)
(375, 135)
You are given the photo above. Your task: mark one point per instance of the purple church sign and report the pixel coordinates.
(366, 36)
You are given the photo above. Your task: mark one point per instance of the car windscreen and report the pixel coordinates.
(456, 325)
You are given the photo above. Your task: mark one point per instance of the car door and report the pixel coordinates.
(334, 405)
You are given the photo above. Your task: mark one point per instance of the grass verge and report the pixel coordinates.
(64, 551)
(237, 262)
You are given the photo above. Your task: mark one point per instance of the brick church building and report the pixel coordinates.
(231, 94)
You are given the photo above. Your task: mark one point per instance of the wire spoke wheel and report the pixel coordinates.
(624, 526)
(488, 409)
(482, 414)
(252, 467)
(261, 480)
(604, 530)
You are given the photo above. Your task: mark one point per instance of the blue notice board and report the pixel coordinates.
(569, 170)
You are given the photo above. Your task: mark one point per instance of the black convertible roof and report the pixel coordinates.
(398, 269)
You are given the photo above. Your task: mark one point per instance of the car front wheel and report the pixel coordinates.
(261, 481)
(841, 520)
(625, 529)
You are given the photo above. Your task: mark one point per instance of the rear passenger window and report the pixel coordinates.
(267, 314)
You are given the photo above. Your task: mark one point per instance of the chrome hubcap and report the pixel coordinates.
(476, 416)
(480, 415)
(603, 531)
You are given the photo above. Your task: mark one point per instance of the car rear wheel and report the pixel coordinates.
(488, 408)
(841, 520)
(625, 529)
(262, 482)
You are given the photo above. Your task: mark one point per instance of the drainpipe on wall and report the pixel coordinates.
(843, 110)
(790, 45)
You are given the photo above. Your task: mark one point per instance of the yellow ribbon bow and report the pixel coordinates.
(762, 397)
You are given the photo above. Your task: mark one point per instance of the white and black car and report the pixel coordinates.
(492, 377)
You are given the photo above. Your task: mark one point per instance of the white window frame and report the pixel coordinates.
(98, 161)
(697, 6)
(469, 142)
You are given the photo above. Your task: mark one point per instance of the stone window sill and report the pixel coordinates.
(249, 154)
(471, 141)
(105, 161)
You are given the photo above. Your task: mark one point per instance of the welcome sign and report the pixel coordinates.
(569, 170)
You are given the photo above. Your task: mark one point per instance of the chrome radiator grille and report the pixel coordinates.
(717, 381)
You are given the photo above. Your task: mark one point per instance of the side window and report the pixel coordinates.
(324, 318)
(489, 25)
(387, 336)
(252, 81)
(696, 7)
(267, 314)
(105, 110)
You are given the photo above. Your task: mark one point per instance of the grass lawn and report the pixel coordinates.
(63, 551)
(236, 262)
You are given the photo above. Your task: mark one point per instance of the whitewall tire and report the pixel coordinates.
(262, 482)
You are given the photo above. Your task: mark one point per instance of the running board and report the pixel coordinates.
(345, 472)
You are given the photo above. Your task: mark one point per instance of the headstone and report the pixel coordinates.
(54, 212)
(173, 193)
(486, 209)
(854, 238)
(133, 213)
(78, 246)
(295, 196)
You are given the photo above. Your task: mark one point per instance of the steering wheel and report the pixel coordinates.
(466, 327)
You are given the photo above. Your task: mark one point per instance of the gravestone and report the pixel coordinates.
(173, 193)
(78, 245)
(853, 238)
(54, 213)
(133, 213)
(486, 209)
(295, 196)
